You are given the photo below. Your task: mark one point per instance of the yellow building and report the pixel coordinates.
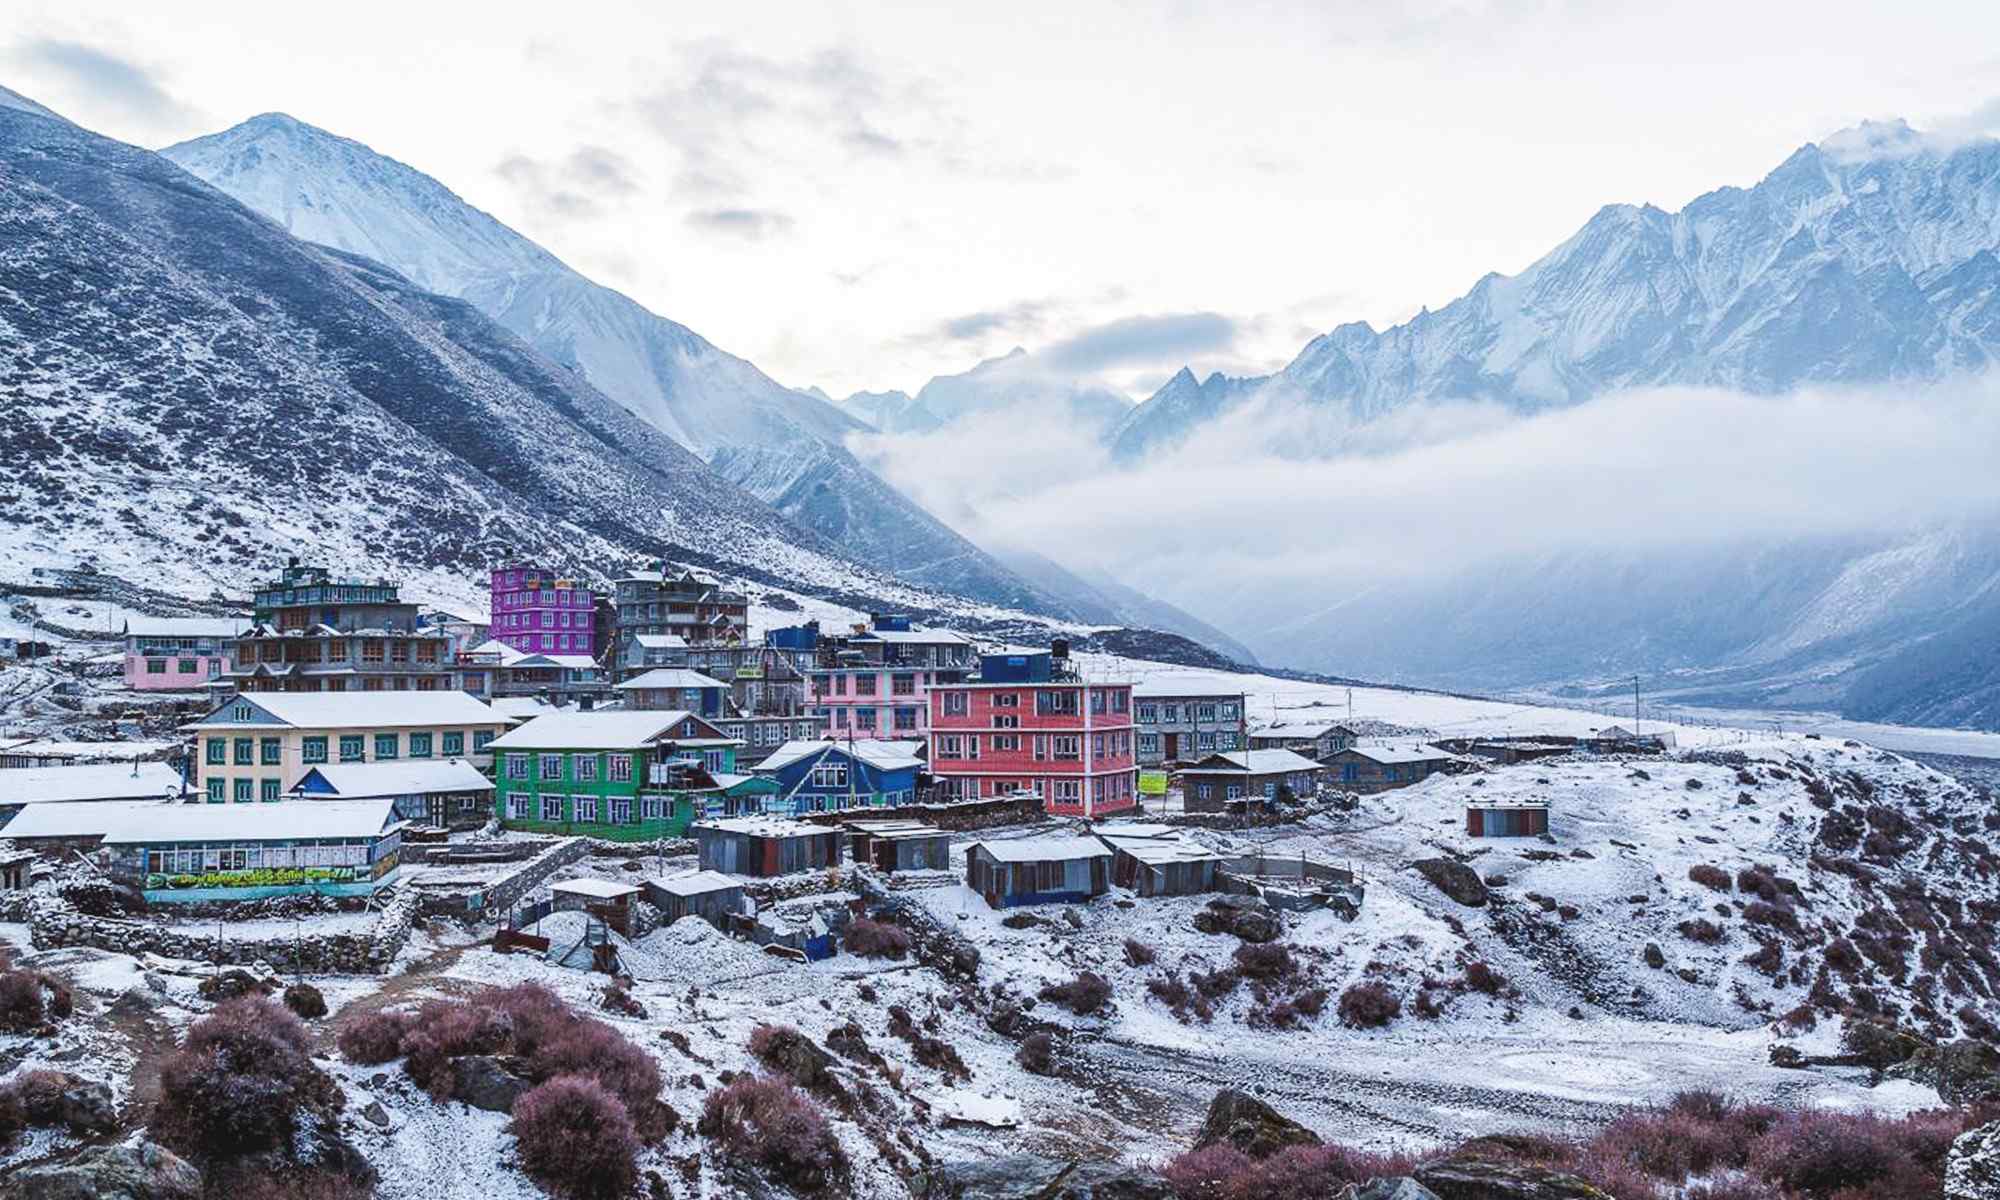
(255, 747)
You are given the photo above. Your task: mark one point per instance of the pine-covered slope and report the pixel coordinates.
(192, 394)
(764, 436)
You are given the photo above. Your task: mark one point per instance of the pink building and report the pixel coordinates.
(178, 654)
(1028, 722)
(873, 683)
(538, 612)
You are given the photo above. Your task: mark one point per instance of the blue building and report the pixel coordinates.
(668, 688)
(828, 776)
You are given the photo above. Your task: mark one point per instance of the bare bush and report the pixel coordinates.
(1369, 1005)
(576, 1137)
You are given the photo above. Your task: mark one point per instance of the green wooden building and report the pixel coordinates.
(623, 776)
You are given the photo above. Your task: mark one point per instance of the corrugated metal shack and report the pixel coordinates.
(892, 846)
(1296, 884)
(810, 925)
(765, 846)
(1158, 860)
(1506, 818)
(1047, 870)
(710, 895)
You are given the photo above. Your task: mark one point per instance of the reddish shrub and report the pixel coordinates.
(877, 939)
(592, 1048)
(1311, 1001)
(768, 1122)
(575, 1136)
(1222, 1172)
(1139, 954)
(1482, 978)
(1777, 916)
(1083, 995)
(1702, 930)
(22, 1008)
(1713, 878)
(1216, 984)
(240, 1083)
(372, 1038)
(1270, 960)
(1369, 1005)
(1037, 1055)
(1427, 1005)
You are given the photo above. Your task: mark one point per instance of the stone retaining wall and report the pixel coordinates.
(495, 898)
(52, 924)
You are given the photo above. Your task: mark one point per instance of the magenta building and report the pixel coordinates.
(537, 611)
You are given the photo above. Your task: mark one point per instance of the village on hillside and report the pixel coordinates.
(1026, 898)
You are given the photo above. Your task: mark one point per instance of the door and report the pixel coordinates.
(1172, 744)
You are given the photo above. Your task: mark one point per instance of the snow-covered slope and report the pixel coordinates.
(1014, 387)
(193, 394)
(339, 193)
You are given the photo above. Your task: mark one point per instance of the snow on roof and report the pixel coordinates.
(1407, 752)
(882, 755)
(142, 626)
(1506, 802)
(361, 710)
(1045, 849)
(1298, 729)
(1254, 762)
(354, 781)
(521, 708)
(764, 826)
(122, 751)
(124, 822)
(591, 730)
(919, 637)
(661, 641)
(672, 677)
(100, 782)
(700, 883)
(602, 889)
(1172, 687)
(1160, 851)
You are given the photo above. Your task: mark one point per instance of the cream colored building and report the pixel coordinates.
(256, 746)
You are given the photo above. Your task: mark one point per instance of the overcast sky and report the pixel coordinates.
(863, 196)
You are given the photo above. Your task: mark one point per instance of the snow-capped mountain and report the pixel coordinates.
(1181, 404)
(782, 445)
(1015, 386)
(1868, 256)
(193, 394)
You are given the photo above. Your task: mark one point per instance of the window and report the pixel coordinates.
(951, 746)
(906, 718)
(517, 805)
(1229, 710)
(1149, 713)
(1121, 701)
(586, 768)
(864, 685)
(245, 752)
(954, 704)
(1149, 743)
(1068, 789)
(313, 750)
(829, 775)
(218, 751)
(454, 743)
(551, 808)
(1235, 791)
(156, 666)
(240, 713)
(551, 767)
(215, 795)
(1225, 741)
(585, 807)
(267, 789)
(270, 751)
(621, 810)
(864, 718)
(621, 768)
(1055, 703)
(1006, 741)
(1205, 740)
(481, 738)
(1204, 712)
(1006, 699)
(1170, 712)
(420, 745)
(188, 666)
(385, 745)
(1006, 721)
(1204, 791)
(1069, 746)
(903, 684)
(652, 808)
(517, 766)
(350, 747)
(242, 790)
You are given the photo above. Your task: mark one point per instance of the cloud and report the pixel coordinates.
(578, 186)
(1174, 337)
(1018, 321)
(754, 224)
(103, 80)
(1294, 506)
(1872, 141)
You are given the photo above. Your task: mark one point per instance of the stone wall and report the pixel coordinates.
(958, 817)
(53, 924)
(493, 900)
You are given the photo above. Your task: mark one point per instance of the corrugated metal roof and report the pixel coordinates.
(592, 730)
(361, 710)
(355, 781)
(700, 883)
(185, 626)
(602, 889)
(1046, 849)
(1253, 762)
(672, 677)
(96, 782)
(123, 822)
(883, 755)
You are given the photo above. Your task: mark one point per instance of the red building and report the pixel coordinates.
(1028, 721)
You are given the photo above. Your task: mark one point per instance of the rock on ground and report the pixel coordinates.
(1250, 1125)
(1972, 1169)
(139, 1172)
(1480, 1179)
(1454, 879)
(1031, 1177)
(1394, 1189)
(487, 1082)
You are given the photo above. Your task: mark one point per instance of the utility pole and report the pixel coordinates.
(1635, 706)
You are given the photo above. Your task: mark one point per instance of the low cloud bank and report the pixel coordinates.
(1254, 501)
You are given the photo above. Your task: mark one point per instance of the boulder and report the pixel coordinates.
(488, 1082)
(1964, 1072)
(87, 1107)
(1461, 1178)
(1032, 1177)
(793, 1054)
(1252, 1126)
(138, 1172)
(1404, 1188)
(1455, 880)
(1248, 919)
(230, 985)
(1972, 1169)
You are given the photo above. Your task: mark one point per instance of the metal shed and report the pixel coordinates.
(766, 846)
(1507, 818)
(892, 846)
(1050, 870)
(710, 895)
(1162, 865)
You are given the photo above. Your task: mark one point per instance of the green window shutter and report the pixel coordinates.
(385, 745)
(268, 789)
(242, 790)
(313, 750)
(218, 751)
(215, 795)
(454, 744)
(270, 751)
(245, 751)
(350, 747)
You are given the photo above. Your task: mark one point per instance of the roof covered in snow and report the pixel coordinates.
(1175, 687)
(764, 826)
(219, 627)
(600, 889)
(105, 781)
(1045, 849)
(700, 883)
(1397, 752)
(400, 777)
(361, 710)
(124, 822)
(594, 730)
(1253, 762)
(883, 755)
(672, 677)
